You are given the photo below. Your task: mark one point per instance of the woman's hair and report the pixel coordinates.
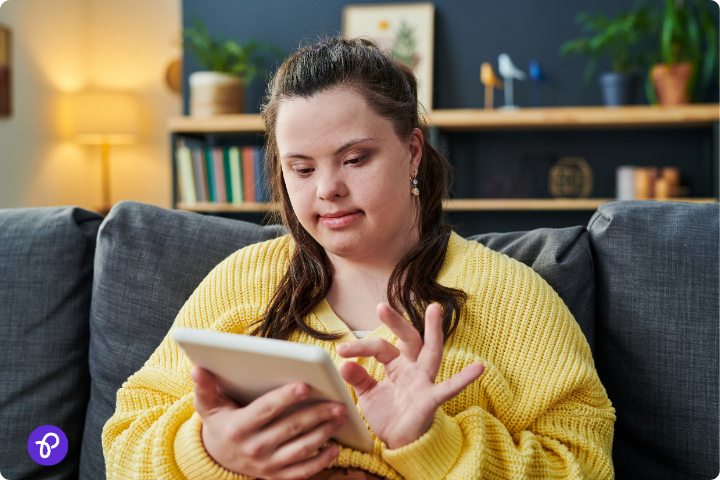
(390, 90)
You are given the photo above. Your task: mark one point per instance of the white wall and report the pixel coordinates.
(63, 47)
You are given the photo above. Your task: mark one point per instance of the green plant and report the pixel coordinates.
(618, 37)
(244, 61)
(689, 34)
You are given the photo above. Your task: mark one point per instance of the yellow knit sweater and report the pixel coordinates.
(538, 411)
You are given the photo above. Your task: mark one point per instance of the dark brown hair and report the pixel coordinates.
(390, 90)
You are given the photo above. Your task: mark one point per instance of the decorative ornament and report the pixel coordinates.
(570, 177)
(491, 81)
(509, 71)
(537, 75)
(415, 190)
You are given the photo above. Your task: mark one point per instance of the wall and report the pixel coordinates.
(63, 47)
(467, 33)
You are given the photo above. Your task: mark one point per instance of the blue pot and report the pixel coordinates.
(618, 88)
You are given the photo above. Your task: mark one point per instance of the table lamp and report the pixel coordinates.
(105, 118)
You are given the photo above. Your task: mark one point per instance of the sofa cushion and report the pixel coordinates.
(656, 333)
(46, 269)
(148, 262)
(562, 257)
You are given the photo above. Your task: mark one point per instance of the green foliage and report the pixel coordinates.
(618, 37)
(244, 61)
(689, 34)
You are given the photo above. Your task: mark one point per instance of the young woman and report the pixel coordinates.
(471, 366)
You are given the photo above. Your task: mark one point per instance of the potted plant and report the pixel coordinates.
(689, 54)
(230, 65)
(621, 39)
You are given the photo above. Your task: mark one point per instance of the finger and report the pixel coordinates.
(311, 466)
(409, 337)
(266, 408)
(304, 446)
(207, 397)
(357, 377)
(446, 390)
(286, 428)
(431, 355)
(382, 350)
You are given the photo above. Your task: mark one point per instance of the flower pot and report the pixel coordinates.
(618, 88)
(671, 83)
(214, 93)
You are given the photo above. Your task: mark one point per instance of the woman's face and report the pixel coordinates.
(348, 174)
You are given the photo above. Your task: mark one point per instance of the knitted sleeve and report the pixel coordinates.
(155, 432)
(539, 409)
(572, 440)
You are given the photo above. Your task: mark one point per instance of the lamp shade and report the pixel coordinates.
(105, 117)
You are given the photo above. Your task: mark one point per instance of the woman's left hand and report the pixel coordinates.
(401, 407)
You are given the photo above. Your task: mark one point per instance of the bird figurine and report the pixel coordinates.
(537, 75)
(491, 81)
(509, 72)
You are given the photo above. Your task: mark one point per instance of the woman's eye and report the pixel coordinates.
(355, 161)
(304, 171)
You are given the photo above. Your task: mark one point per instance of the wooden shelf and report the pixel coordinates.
(455, 205)
(558, 118)
(634, 116)
(248, 123)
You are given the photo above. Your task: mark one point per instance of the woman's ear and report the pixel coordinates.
(416, 143)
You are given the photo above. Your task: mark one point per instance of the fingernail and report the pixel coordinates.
(300, 391)
(336, 411)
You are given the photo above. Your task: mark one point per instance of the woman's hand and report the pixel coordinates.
(401, 407)
(261, 439)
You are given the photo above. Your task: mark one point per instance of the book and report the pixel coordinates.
(219, 172)
(186, 182)
(212, 195)
(228, 178)
(201, 185)
(236, 175)
(262, 189)
(248, 164)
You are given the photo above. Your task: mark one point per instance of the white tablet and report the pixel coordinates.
(247, 367)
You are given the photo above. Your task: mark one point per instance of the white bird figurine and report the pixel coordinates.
(509, 72)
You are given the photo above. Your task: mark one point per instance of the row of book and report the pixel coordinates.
(228, 174)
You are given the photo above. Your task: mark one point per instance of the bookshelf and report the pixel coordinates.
(475, 120)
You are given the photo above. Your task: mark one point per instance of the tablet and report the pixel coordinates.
(247, 367)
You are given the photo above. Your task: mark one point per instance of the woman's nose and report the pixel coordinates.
(330, 185)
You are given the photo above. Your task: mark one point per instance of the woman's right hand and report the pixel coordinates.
(261, 440)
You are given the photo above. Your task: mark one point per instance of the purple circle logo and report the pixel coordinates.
(47, 445)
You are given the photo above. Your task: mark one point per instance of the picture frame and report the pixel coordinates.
(5, 72)
(407, 30)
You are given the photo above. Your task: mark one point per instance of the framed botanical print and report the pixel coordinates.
(5, 77)
(404, 29)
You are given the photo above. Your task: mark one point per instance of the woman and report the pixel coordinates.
(503, 384)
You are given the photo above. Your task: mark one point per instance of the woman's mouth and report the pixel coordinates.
(339, 219)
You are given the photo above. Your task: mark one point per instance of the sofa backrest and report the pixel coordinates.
(149, 260)
(656, 338)
(46, 270)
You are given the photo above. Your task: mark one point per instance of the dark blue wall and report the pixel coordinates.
(467, 33)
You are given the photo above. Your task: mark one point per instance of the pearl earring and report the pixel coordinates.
(415, 190)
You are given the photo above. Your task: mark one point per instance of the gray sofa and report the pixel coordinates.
(84, 301)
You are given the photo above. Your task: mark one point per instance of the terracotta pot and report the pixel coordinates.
(214, 93)
(671, 83)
